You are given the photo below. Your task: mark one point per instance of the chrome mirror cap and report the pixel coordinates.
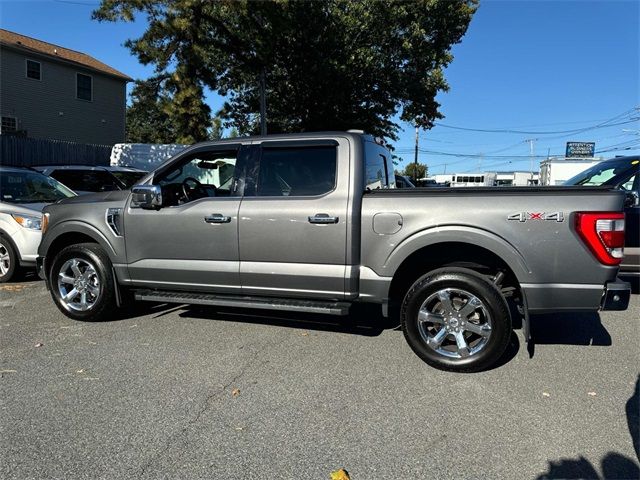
(146, 196)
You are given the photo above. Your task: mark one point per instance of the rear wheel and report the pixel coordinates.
(8, 260)
(455, 319)
(82, 285)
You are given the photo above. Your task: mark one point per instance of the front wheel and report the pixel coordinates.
(456, 320)
(82, 284)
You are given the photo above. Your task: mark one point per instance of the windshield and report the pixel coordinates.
(605, 173)
(31, 187)
(82, 180)
(129, 179)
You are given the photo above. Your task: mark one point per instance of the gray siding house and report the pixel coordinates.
(51, 92)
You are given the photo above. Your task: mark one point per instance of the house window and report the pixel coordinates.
(9, 124)
(34, 70)
(84, 87)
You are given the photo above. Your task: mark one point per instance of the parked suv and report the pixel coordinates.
(622, 173)
(84, 179)
(23, 194)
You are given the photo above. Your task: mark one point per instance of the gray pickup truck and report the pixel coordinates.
(314, 223)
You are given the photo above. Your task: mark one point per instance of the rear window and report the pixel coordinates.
(378, 167)
(87, 180)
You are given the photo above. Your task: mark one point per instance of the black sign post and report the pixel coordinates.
(580, 149)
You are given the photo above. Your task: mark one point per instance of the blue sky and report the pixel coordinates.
(530, 66)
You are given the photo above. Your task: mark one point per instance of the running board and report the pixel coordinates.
(265, 303)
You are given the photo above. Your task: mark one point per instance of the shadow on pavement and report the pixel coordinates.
(366, 320)
(576, 328)
(613, 465)
(633, 418)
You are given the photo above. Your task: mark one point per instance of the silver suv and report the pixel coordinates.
(23, 195)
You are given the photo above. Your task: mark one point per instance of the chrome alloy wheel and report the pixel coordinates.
(78, 284)
(454, 323)
(5, 260)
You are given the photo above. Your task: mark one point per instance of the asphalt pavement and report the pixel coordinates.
(182, 392)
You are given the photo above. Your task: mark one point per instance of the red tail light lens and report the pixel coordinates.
(603, 233)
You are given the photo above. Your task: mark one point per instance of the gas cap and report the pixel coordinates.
(387, 223)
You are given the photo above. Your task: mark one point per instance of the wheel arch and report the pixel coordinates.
(70, 233)
(9, 240)
(450, 253)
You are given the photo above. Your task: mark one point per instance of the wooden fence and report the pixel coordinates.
(29, 152)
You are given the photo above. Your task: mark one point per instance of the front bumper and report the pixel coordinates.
(616, 296)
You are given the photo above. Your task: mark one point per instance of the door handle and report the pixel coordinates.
(217, 218)
(323, 219)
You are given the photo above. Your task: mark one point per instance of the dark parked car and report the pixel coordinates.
(623, 173)
(90, 179)
(402, 181)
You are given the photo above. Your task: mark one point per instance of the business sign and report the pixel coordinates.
(580, 149)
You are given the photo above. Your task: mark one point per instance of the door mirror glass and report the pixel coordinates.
(146, 196)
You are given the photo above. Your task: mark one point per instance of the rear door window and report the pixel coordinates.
(297, 171)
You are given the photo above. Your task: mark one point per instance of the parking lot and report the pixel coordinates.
(183, 392)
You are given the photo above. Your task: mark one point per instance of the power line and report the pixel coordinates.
(606, 123)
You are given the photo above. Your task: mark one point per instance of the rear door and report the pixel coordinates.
(293, 220)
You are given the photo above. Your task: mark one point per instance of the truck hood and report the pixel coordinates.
(113, 196)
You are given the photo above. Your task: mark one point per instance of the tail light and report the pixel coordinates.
(603, 233)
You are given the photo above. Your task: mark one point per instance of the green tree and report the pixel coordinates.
(147, 118)
(334, 64)
(415, 172)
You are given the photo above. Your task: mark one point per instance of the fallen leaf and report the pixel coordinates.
(593, 394)
(38, 345)
(305, 334)
(545, 394)
(80, 371)
(341, 474)
(235, 392)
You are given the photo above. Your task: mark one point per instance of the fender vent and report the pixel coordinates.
(114, 220)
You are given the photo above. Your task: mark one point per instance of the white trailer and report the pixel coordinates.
(555, 171)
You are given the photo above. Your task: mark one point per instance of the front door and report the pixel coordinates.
(192, 241)
(293, 221)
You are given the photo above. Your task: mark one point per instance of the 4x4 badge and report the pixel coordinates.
(524, 216)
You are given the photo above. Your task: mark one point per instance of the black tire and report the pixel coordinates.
(104, 306)
(6, 248)
(494, 308)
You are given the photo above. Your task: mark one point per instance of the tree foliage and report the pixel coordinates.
(415, 172)
(147, 120)
(329, 65)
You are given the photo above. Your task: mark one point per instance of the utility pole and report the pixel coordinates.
(531, 142)
(263, 103)
(415, 159)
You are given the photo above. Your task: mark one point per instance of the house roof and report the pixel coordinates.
(23, 42)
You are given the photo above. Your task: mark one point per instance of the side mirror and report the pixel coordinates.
(146, 196)
(631, 199)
